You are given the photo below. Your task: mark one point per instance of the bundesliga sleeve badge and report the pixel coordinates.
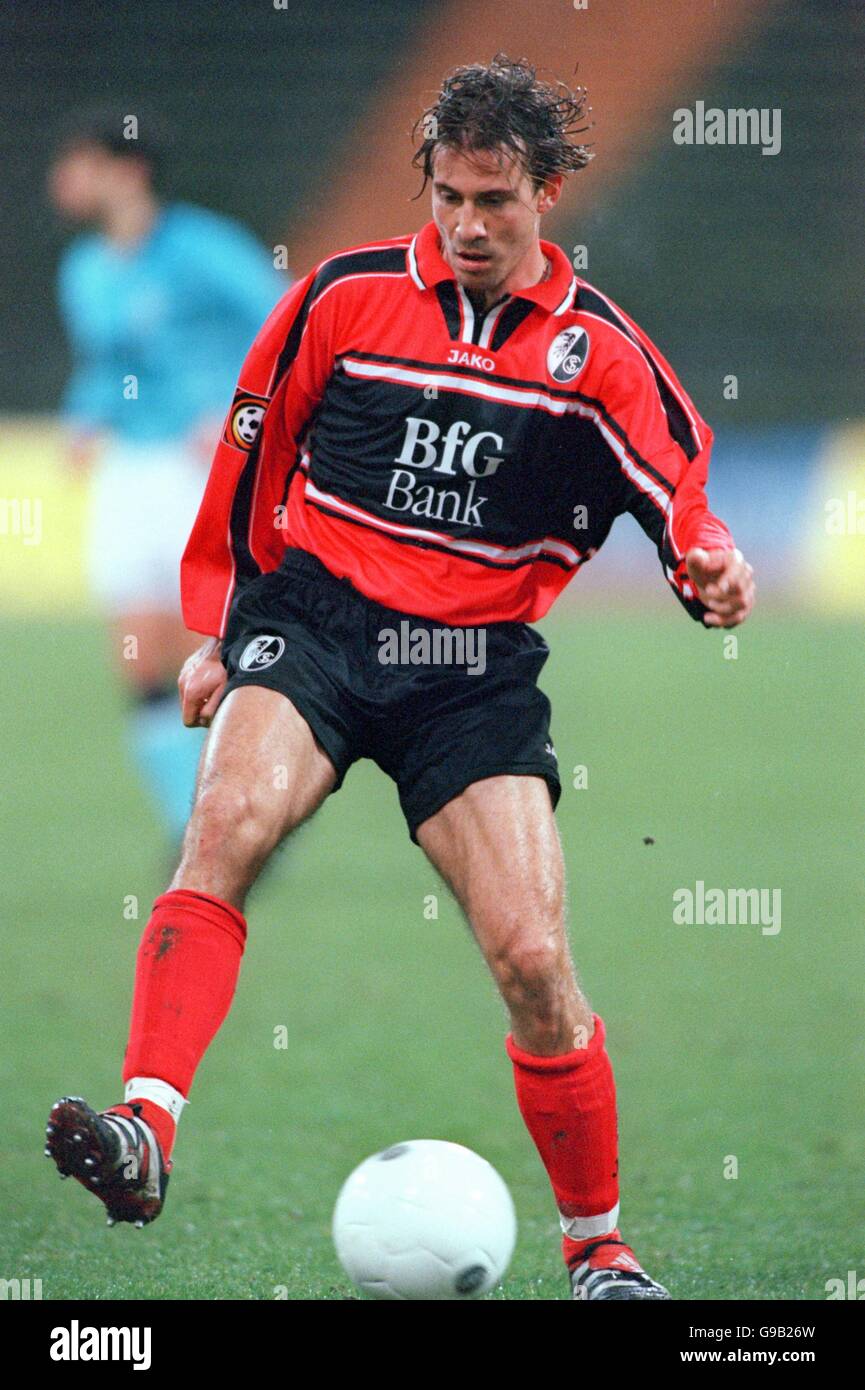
(567, 354)
(244, 420)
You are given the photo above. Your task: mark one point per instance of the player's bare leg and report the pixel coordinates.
(497, 846)
(262, 774)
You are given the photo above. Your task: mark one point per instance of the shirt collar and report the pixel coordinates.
(428, 267)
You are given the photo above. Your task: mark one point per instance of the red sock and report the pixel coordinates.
(569, 1106)
(185, 976)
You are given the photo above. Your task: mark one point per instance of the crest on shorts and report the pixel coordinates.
(244, 420)
(567, 354)
(261, 652)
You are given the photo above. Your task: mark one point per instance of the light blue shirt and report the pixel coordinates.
(159, 331)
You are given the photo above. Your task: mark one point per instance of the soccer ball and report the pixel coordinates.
(424, 1219)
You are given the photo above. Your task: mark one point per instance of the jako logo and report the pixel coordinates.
(471, 359)
(77, 1343)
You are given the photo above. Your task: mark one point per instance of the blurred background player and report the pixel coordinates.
(160, 301)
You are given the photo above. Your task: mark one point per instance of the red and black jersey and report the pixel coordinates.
(455, 463)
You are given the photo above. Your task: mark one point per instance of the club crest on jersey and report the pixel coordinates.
(261, 652)
(244, 420)
(567, 354)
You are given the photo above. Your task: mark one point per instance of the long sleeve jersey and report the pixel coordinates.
(457, 464)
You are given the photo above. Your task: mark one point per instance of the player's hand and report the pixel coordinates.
(201, 684)
(725, 584)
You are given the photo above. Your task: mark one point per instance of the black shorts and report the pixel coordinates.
(436, 707)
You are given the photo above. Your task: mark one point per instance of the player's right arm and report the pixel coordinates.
(235, 535)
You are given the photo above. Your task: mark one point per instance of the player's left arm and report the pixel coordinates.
(663, 446)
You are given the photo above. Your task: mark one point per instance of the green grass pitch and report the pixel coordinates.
(726, 1042)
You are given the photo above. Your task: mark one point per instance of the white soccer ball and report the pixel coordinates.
(424, 1219)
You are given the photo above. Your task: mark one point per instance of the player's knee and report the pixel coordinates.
(230, 814)
(528, 967)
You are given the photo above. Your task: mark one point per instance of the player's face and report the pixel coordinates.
(78, 180)
(488, 214)
(86, 182)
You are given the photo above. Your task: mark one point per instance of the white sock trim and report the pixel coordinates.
(159, 1092)
(584, 1227)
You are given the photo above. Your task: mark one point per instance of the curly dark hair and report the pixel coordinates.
(504, 105)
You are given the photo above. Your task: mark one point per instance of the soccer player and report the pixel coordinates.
(435, 413)
(161, 301)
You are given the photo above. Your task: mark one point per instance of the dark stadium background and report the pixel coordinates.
(743, 772)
